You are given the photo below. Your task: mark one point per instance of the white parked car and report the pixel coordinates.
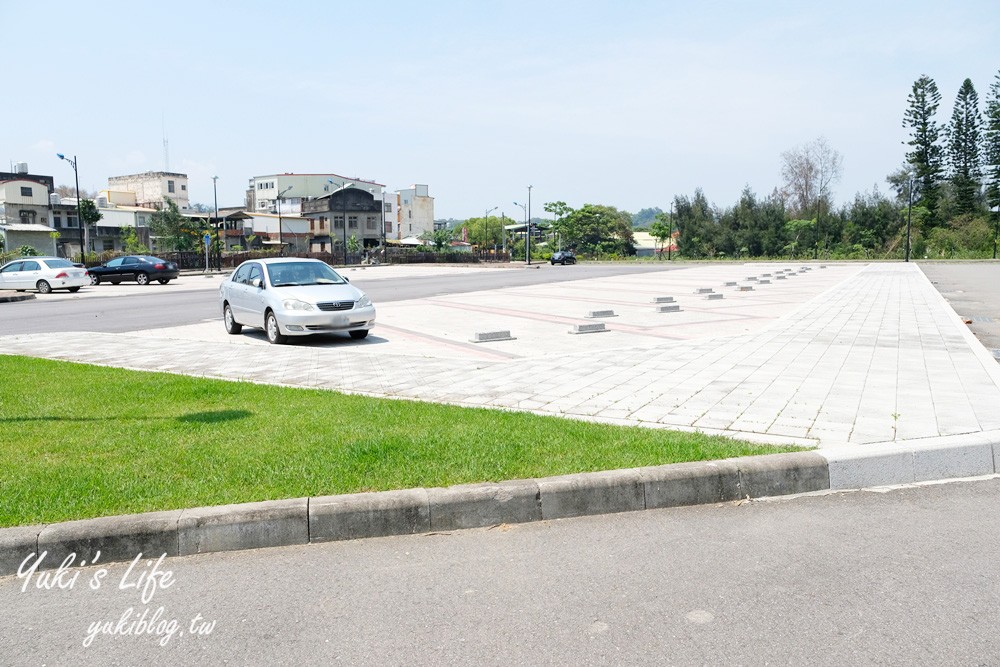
(43, 274)
(290, 296)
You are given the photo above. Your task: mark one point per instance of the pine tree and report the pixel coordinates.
(926, 156)
(964, 153)
(991, 152)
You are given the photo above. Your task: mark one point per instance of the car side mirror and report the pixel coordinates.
(346, 279)
(256, 282)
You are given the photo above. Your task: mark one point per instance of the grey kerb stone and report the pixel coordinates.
(491, 336)
(596, 327)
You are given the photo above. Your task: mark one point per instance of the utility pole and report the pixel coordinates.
(670, 231)
(527, 236)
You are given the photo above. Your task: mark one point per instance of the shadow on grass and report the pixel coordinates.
(216, 417)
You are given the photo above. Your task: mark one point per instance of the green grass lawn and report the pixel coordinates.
(81, 441)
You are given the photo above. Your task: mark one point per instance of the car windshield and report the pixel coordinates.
(303, 273)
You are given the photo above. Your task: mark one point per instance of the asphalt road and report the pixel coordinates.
(906, 576)
(973, 290)
(161, 306)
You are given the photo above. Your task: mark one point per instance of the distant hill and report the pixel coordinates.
(645, 217)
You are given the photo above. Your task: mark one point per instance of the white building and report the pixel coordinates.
(25, 206)
(152, 187)
(415, 213)
(263, 191)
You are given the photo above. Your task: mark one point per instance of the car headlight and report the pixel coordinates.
(364, 301)
(295, 304)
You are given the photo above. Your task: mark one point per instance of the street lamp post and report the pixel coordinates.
(503, 231)
(486, 227)
(281, 244)
(525, 209)
(527, 239)
(215, 196)
(385, 247)
(909, 213)
(79, 210)
(996, 231)
(670, 231)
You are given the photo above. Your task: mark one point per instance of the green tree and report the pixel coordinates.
(661, 229)
(696, 226)
(168, 224)
(479, 229)
(646, 217)
(439, 238)
(991, 151)
(352, 243)
(600, 230)
(91, 216)
(557, 208)
(872, 220)
(964, 154)
(27, 251)
(926, 154)
(799, 231)
(131, 243)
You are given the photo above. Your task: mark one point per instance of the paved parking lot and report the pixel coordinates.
(849, 353)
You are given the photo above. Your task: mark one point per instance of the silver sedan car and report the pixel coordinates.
(43, 274)
(291, 296)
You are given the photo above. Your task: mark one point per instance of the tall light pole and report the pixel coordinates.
(503, 230)
(909, 213)
(215, 196)
(527, 241)
(79, 210)
(996, 231)
(281, 244)
(670, 231)
(525, 209)
(372, 191)
(486, 226)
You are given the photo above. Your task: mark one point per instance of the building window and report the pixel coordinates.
(386, 208)
(370, 223)
(109, 245)
(25, 191)
(338, 222)
(183, 187)
(170, 186)
(312, 224)
(352, 222)
(57, 220)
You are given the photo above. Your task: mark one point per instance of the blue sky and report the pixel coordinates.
(624, 104)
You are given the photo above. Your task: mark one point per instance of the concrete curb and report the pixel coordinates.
(412, 511)
(909, 461)
(10, 297)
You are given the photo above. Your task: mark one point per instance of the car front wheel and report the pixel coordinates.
(232, 326)
(274, 334)
(142, 278)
